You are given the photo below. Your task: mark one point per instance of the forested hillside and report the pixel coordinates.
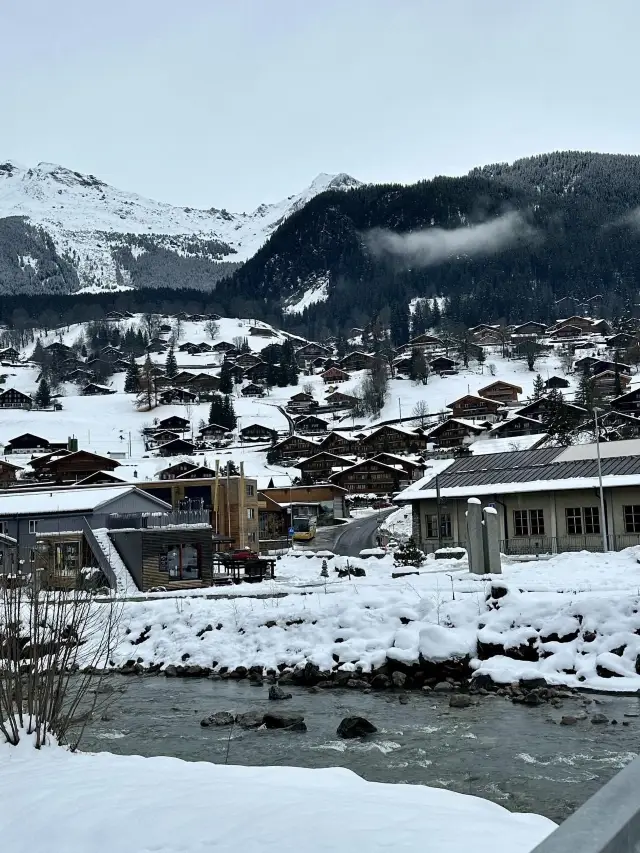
(578, 235)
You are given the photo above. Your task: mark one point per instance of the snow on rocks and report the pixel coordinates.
(76, 790)
(439, 623)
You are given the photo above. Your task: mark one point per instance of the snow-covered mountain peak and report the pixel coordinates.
(90, 221)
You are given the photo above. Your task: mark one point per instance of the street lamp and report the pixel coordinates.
(603, 517)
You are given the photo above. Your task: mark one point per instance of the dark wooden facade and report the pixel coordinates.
(501, 392)
(294, 447)
(320, 467)
(370, 477)
(455, 433)
(517, 426)
(389, 439)
(14, 399)
(472, 406)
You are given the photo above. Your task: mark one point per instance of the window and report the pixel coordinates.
(582, 520)
(249, 490)
(32, 525)
(182, 562)
(632, 518)
(66, 558)
(528, 522)
(445, 526)
(251, 513)
(3, 528)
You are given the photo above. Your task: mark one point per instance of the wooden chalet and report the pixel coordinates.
(99, 478)
(258, 432)
(295, 447)
(371, 477)
(9, 354)
(516, 426)
(257, 372)
(8, 472)
(357, 360)
(93, 389)
(311, 425)
(541, 409)
(182, 378)
(606, 380)
(424, 342)
(78, 465)
(339, 444)
(188, 345)
(565, 332)
(333, 375)
(302, 402)
(110, 353)
(224, 346)
(621, 341)
(39, 464)
(177, 447)
(247, 359)
(311, 351)
(176, 395)
(556, 382)
(203, 382)
(59, 349)
(602, 365)
(340, 400)
(156, 345)
(120, 365)
(321, 466)
(628, 403)
(529, 330)
(164, 435)
(14, 399)
(413, 469)
(176, 470)
(214, 431)
(474, 406)
(501, 392)
(261, 332)
(174, 423)
(199, 472)
(442, 364)
(456, 432)
(402, 365)
(487, 337)
(253, 390)
(615, 426)
(27, 442)
(392, 439)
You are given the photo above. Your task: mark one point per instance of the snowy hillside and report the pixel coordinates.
(93, 223)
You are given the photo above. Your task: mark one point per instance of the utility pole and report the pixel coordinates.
(438, 512)
(400, 408)
(603, 516)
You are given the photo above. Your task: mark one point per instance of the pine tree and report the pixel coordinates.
(481, 357)
(325, 570)
(38, 352)
(226, 378)
(132, 378)
(216, 410)
(171, 364)
(418, 370)
(538, 387)
(147, 395)
(43, 394)
(231, 420)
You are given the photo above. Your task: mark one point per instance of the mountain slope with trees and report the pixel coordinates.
(581, 210)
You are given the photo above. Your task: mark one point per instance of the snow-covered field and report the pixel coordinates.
(101, 803)
(574, 619)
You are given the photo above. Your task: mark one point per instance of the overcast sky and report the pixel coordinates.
(229, 103)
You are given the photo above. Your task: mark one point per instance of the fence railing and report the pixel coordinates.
(609, 822)
(118, 521)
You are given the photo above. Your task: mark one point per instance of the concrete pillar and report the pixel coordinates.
(475, 548)
(491, 541)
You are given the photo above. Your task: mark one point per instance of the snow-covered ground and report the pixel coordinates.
(579, 613)
(101, 803)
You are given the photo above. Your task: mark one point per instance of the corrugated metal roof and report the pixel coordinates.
(528, 466)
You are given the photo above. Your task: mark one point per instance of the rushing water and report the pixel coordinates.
(518, 756)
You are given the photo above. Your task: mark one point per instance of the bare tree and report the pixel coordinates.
(308, 388)
(212, 328)
(55, 648)
(420, 411)
(566, 360)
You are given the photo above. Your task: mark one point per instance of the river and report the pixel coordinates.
(517, 756)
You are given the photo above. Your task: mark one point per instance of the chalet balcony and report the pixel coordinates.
(156, 520)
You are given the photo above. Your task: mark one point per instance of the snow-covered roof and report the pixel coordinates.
(34, 503)
(500, 445)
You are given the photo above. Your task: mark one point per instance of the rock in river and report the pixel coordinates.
(221, 718)
(276, 693)
(293, 723)
(352, 727)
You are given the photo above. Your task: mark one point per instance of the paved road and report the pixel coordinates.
(349, 539)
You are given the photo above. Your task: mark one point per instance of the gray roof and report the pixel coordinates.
(526, 466)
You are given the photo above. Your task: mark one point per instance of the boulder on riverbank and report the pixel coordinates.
(352, 727)
(277, 693)
(220, 718)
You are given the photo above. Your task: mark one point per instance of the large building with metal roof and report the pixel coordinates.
(548, 500)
